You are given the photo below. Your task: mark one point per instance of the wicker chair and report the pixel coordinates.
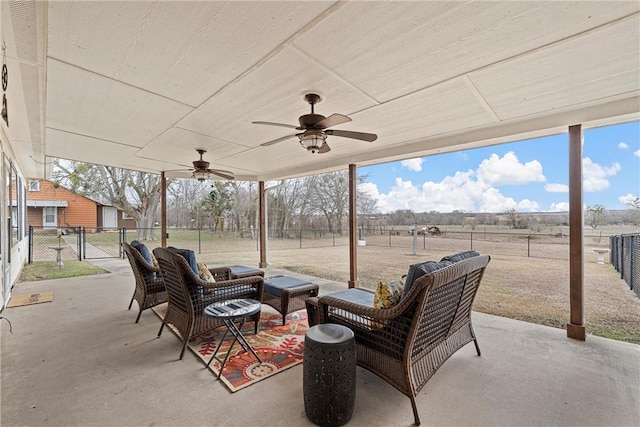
(150, 290)
(189, 295)
(406, 344)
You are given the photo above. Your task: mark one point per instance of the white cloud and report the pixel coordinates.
(462, 191)
(412, 164)
(623, 146)
(556, 188)
(636, 153)
(508, 170)
(627, 199)
(559, 207)
(527, 205)
(595, 175)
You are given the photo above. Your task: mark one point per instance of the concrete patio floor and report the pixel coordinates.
(82, 361)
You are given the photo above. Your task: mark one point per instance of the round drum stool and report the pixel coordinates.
(329, 374)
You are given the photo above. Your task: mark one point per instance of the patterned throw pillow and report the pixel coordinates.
(155, 261)
(387, 294)
(205, 274)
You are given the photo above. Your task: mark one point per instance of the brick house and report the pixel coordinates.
(52, 206)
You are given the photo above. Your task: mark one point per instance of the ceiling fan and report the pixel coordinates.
(314, 127)
(201, 170)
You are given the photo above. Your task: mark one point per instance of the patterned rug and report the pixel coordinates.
(279, 346)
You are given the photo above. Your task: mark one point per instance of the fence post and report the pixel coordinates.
(30, 256)
(389, 238)
(200, 240)
(333, 235)
(529, 246)
(84, 243)
(123, 238)
(471, 240)
(300, 234)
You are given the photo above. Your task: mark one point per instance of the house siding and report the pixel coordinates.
(80, 212)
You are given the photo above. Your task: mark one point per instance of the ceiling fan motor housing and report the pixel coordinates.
(308, 121)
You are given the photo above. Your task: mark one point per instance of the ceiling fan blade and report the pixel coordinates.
(276, 124)
(324, 148)
(222, 174)
(351, 134)
(332, 120)
(268, 143)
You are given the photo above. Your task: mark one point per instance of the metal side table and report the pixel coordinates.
(229, 312)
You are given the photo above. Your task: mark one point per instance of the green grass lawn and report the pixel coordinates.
(46, 270)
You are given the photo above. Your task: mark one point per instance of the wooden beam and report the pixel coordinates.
(163, 210)
(353, 229)
(576, 326)
(263, 225)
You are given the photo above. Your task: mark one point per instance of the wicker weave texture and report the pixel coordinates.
(189, 295)
(406, 344)
(150, 290)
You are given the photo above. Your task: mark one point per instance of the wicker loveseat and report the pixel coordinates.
(406, 344)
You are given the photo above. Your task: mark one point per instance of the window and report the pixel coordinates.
(34, 185)
(50, 215)
(126, 215)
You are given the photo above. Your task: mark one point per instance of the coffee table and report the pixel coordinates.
(287, 294)
(230, 311)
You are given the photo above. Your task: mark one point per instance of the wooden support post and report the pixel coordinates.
(163, 210)
(263, 226)
(353, 231)
(576, 326)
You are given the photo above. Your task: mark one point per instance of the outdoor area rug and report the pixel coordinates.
(28, 299)
(279, 346)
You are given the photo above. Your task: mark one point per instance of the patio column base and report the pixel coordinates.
(578, 332)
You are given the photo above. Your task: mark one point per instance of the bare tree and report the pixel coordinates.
(596, 215)
(135, 193)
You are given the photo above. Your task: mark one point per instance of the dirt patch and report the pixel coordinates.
(533, 289)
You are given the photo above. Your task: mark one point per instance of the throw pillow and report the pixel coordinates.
(418, 270)
(387, 294)
(460, 256)
(155, 261)
(205, 274)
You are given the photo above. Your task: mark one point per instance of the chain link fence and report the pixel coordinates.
(625, 257)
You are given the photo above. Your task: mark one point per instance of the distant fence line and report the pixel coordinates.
(91, 243)
(625, 257)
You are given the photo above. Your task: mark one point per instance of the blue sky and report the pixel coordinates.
(530, 175)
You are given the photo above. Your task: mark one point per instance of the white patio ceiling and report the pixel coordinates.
(141, 85)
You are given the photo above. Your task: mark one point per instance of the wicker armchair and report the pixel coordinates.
(189, 295)
(406, 344)
(150, 290)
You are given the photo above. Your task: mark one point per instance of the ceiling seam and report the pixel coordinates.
(478, 95)
(288, 42)
(511, 58)
(93, 137)
(121, 82)
(336, 75)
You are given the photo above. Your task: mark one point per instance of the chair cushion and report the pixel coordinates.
(418, 270)
(144, 251)
(277, 284)
(189, 255)
(387, 294)
(460, 256)
(204, 273)
(355, 295)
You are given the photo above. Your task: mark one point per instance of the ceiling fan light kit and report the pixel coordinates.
(201, 170)
(313, 140)
(314, 127)
(200, 175)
